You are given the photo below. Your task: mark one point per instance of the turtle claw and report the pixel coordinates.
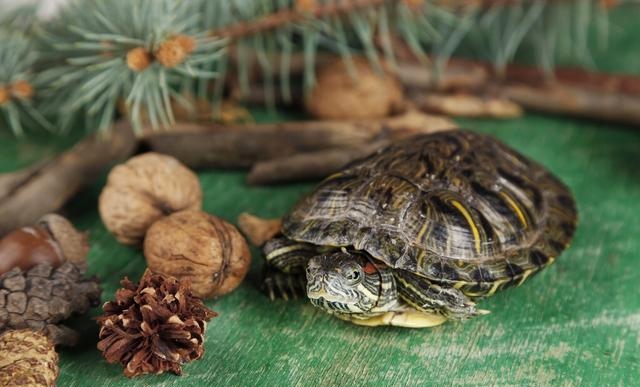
(278, 285)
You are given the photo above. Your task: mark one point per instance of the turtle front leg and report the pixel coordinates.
(409, 318)
(284, 273)
(277, 284)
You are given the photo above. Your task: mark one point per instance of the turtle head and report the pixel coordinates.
(343, 282)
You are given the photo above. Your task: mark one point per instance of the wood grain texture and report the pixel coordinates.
(575, 324)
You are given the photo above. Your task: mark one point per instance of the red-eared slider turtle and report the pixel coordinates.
(414, 233)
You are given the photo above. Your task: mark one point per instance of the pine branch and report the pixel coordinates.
(137, 53)
(17, 84)
(301, 11)
(146, 54)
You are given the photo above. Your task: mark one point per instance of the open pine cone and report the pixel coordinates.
(41, 297)
(154, 326)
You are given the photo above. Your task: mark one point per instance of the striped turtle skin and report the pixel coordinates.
(455, 209)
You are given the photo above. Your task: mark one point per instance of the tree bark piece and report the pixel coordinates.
(235, 146)
(28, 194)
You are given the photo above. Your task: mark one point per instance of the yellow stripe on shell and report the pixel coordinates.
(515, 208)
(467, 216)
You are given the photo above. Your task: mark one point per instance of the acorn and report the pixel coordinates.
(52, 240)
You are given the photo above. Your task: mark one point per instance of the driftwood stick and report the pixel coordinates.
(308, 166)
(576, 101)
(28, 194)
(322, 163)
(568, 91)
(466, 105)
(240, 146)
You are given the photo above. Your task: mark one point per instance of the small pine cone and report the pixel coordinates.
(43, 296)
(28, 359)
(22, 89)
(4, 95)
(154, 326)
(173, 51)
(138, 59)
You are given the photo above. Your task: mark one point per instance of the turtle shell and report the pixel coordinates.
(454, 206)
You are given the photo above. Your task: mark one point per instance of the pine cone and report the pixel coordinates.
(42, 296)
(28, 360)
(153, 327)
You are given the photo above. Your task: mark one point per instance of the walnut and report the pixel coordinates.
(27, 359)
(143, 190)
(205, 250)
(366, 94)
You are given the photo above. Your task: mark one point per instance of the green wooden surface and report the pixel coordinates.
(576, 324)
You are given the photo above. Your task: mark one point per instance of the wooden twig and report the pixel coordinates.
(28, 194)
(568, 91)
(308, 166)
(289, 16)
(457, 75)
(576, 101)
(467, 105)
(235, 146)
(608, 97)
(319, 164)
(312, 9)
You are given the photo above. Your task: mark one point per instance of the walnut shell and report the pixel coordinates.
(143, 190)
(28, 359)
(200, 248)
(367, 95)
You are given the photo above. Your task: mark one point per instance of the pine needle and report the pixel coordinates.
(101, 55)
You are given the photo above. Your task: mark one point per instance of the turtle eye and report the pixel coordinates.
(353, 276)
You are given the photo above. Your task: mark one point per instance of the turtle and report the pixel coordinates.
(417, 232)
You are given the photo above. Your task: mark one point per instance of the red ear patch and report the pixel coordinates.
(370, 268)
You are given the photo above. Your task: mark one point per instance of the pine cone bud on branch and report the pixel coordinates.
(138, 59)
(174, 50)
(154, 326)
